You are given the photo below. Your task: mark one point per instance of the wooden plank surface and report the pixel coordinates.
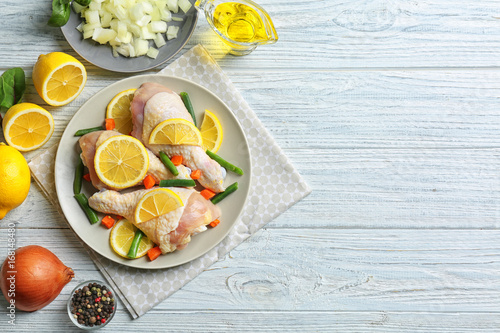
(319, 34)
(390, 111)
(393, 274)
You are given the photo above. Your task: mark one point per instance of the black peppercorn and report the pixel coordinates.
(89, 308)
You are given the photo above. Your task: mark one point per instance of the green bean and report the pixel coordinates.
(187, 103)
(177, 183)
(168, 163)
(224, 163)
(84, 203)
(132, 252)
(77, 182)
(221, 196)
(88, 130)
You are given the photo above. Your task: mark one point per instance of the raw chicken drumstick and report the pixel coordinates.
(89, 143)
(171, 231)
(154, 103)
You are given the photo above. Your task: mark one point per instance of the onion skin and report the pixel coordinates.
(39, 278)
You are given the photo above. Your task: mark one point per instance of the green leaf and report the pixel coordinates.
(7, 90)
(12, 87)
(19, 84)
(60, 13)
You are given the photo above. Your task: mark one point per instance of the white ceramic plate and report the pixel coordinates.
(234, 149)
(102, 56)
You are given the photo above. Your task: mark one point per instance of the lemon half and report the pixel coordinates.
(27, 126)
(58, 78)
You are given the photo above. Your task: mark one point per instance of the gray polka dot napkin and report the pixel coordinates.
(275, 187)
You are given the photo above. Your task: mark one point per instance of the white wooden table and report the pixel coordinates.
(390, 109)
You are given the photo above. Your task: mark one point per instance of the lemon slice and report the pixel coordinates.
(27, 126)
(176, 131)
(58, 78)
(211, 132)
(121, 161)
(119, 110)
(121, 238)
(157, 202)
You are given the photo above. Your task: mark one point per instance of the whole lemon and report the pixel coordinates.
(15, 179)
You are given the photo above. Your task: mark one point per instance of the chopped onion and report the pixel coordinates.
(172, 31)
(94, 5)
(131, 27)
(158, 26)
(173, 6)
(148, 7)
(141, 46)
(166, 15)
(92, 16)
(143, 21)
(103, 36)
(106, 19)
(147, 34)
(184, 5)
(152, 52)
(159, 40)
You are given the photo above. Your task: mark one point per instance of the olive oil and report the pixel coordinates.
(241, 24)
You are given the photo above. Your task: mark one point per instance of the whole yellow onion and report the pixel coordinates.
(33, 277)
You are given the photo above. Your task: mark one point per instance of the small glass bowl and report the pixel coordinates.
(81, 285)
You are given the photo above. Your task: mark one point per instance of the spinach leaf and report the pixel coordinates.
(60, 13)
(12, 87)
(7, 92)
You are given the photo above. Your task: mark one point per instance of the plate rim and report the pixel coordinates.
(142, 79)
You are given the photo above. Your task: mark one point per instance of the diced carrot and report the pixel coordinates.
(108, 221)
(196, 174)
(110, 124)
(119, 217)
(176, 160)
(207, 194)
(214, 223)
(86, 177)
(154, 253)
(149, 181)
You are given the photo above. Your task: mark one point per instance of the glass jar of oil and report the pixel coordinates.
(241, 24)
